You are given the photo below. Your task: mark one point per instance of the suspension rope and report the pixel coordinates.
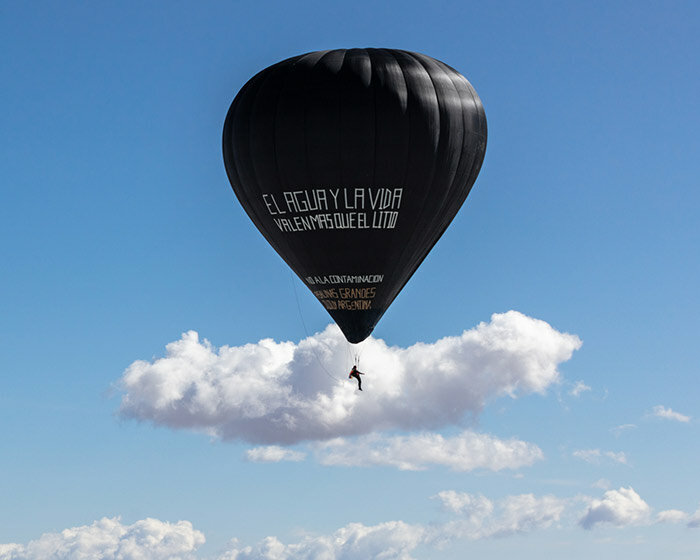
(301, 315)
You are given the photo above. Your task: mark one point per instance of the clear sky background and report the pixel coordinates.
(566, 428)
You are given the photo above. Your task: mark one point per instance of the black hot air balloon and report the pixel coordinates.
(352, 163)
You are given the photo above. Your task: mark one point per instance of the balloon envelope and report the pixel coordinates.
(352, 163)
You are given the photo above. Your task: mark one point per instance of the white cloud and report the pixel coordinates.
(579, 387)
(694, 521)
(602, 483)
(525, 513)
(278, 392)
(662, 412)
(109, 539)
(393, 540)
(482, 518)
(10, 551)
(465, 504)
(273, 454)
(474, 517)
(595, 456)
(671, 516)
(618, 507)
(465, 452)
(617, 431)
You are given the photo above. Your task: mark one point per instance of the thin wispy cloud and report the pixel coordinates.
(579, 388)
(463, 503)
(617, 431)
(273, 454)
(668, 414)
(480, 517)
(596, 456)
(284, 392)
(467, 451)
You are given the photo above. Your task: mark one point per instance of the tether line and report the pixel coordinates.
(306, 330)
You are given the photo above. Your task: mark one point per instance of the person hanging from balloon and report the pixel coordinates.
(354, 372)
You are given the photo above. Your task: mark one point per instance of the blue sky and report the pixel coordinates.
(572, 270)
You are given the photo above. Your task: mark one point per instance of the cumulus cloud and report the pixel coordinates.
(393, 540)
(578, 388)
(671, 516)
(109, 539)
(282, 392)
(524, 513)
(595, 456)
(479, 518)
(465, 452)
(669, 414)
(484, 518)
(618, 507)
(472, 516)
(273, 454)
(694, 521)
